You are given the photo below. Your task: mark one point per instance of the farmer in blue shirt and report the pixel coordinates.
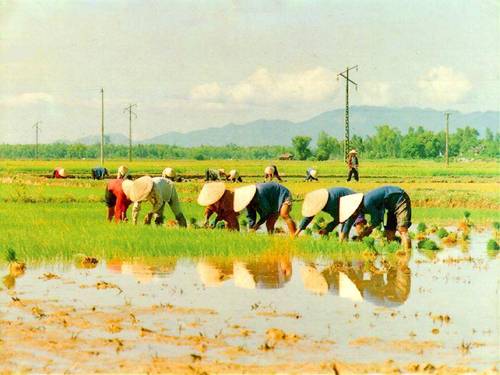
(98, 173)
(270, 200)
(392, 199)
(326, 201)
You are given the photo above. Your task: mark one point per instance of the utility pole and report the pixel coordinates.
(130, 113)
(36, 126)
(446, 141)
(345, 74)
(102, 127)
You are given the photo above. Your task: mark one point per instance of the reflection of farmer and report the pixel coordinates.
(392, 199)
(159, 191)
(219, 200)
(215, 174)
(352, 164)
(270, 172)
(214, 272)
(262, 274)
(311, 174)
(115, 198)
(59, 173)
(99, 173)
(270, 200)
(326, 201)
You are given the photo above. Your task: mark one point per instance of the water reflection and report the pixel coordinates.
(143, 271)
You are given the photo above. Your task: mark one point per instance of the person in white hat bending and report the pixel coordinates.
(234, 176)
(270, 200)
(115, 197)
(215, 174)
(311, 174)
(326, 201)
(159, 191)
(219, 200)
(375, 203)
(353, 164)
(59, 173)
(169, 174)
(270, 172)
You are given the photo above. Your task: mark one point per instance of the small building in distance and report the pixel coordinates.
(286, 156)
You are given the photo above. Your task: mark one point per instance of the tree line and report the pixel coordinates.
(387, 142)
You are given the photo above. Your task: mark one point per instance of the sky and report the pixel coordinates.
(197, 64)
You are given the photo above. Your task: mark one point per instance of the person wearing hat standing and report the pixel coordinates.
(219, 200)
(326, 201)
(115, 197)
(311, 174)
(270, 172)
(375, 203)
(353, 163)
(270, 200)
(99, 173)
(59, 173)
(159, 191)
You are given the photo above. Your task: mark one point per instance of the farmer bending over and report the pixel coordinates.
(311, 174)
(218, 200)
(234, 176)
(392, 199)
(169, 174)
(326, 201)
(98, 173)
(158, 191)
(59, 173)
(215, 174)
(115, 197)
(270, 200)
(270, 172)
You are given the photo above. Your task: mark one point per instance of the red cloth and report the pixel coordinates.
(56, 174)
(224, 210)
(122, 202)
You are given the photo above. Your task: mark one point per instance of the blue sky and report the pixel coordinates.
(190, 65)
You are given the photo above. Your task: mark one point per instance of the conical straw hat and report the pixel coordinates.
(313, 173)
(233, 174)
(314, 202)
(211, 193)
(348, 205)
(141, 188)
(211, 275)
(243, 196)
(269, 170)
(313, 280)
(347, 289)
(122, 172)
(168, 172)
(63, 173)
(353, 151)
(126, 187)
(242, 276)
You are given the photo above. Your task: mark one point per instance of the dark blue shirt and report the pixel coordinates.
(378, 200)
(268, 200)
(99, 173)
(332, 208)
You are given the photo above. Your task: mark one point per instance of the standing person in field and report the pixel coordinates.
(215, 174)
(59, 173)
(99, 173)
(326, 201)
(353, 164)
(311, 174)
(115, 197)
(270, 172)
(159, 191)
(219, 200)
(375, 203)
(270, 200)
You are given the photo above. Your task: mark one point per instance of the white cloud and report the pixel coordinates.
(375, 93)
(26, 98)
(443, 85)
(263, 87)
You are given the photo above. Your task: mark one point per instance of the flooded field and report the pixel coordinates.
(421, 312)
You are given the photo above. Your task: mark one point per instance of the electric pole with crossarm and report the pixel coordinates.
(36, 126)
(345, 74)
(130, 113)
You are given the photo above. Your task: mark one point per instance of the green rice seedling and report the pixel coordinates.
(421, 228)
(10, 256)
(492, 245)
(369, 243)
(428, 244)
(442, 232)
(308, 231)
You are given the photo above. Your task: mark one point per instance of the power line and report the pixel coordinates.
(36, 126)
(130, 113)
(345, 74)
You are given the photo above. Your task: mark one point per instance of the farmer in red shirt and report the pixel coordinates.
(219, 200)
(116, 200)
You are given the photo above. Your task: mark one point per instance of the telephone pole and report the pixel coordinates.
(102, 127)
(446, 140)
(36, 126)
(345, 74)
(130, 113)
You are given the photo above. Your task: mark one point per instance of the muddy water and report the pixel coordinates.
(439, 308)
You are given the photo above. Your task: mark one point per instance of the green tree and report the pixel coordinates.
(301, 145)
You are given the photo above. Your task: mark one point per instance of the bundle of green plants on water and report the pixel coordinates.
(428, 244)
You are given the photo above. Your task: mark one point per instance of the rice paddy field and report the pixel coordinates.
(79, 294)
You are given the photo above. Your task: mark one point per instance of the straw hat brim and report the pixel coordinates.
(141, 188)
(211, 193)
(242, 276)
(353, 152)
(269, 170)
(314, 202)
(347, 289)
(63, 173)
(168, 172)
(313, 173)
(126, 187)
(243, 196)
(313, 280)
(348, 205)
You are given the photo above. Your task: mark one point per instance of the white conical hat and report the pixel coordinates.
(347, 289)
(211, 193)
(243, 196)
(348, 205)
(141, 188)
(127, 187)
(168, 172)
(233, 174)
(314, 202)
(269, 170)
(242, 276)
(313, 280)
(313, 173)
(62, 172)
(122, 172)
(353, 151)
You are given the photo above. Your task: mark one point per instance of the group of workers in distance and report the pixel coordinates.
(264, 202)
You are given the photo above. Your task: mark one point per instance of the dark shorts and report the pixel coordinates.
(401, 217)
(109, 198)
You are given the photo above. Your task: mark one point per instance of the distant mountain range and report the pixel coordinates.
(363, 121)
